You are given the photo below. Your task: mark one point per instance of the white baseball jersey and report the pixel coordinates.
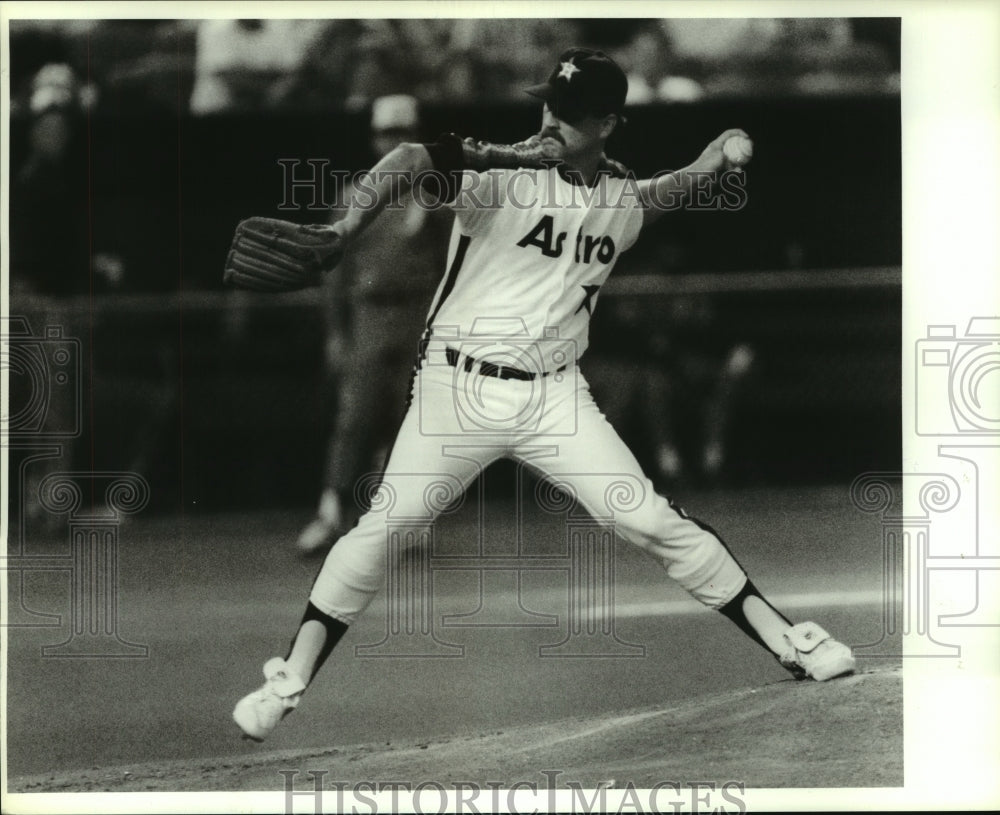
(529, 252)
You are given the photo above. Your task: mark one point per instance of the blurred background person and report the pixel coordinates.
(707, 372)
(376, 302)
(627, 373)
(655, 74)
(53, 250)
(52, 245)
(249, 65)
(669, 383)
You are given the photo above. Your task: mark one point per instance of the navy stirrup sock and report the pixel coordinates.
(335, 629)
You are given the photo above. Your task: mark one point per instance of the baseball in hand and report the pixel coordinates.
(738, 150)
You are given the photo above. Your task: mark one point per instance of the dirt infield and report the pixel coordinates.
(845, 733)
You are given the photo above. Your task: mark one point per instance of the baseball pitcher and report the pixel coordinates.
(538, 228)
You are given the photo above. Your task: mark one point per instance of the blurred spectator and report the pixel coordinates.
(144, 66)
(54, 88)
(707, 371)
(376, 303)
(509, 54)
(37, 43)
(720, 39)
(651, 78)
(628, 377)
(457, 78)
(322, 78)
(793, 55)
(319, 64)
(385, 62)
(53, 249)
(434, 59)
(246, 65)
(830, 60)
(669, 382)
(50, 249)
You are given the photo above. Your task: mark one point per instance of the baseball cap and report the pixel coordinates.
(395, 112)
(584, 82)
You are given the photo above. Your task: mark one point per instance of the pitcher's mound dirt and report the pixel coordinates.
(843, 733)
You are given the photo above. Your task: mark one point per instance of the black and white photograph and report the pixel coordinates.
(472, 407)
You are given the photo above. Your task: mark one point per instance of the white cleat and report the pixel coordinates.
(813, 653)
(258, 713)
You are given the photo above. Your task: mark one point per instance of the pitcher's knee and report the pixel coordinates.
(355, 568)
(417, 498)
(352, 574)
(708, 572)
(692, 555)
(341, 601)
(654, 523)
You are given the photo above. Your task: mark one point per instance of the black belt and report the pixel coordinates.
(490, 369)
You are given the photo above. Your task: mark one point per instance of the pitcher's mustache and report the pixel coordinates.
(554, 133)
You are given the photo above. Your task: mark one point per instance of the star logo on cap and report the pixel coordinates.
(566, 70)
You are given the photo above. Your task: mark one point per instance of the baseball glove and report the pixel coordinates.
(272, 255)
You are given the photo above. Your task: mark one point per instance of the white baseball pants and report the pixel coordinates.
(459, 422)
